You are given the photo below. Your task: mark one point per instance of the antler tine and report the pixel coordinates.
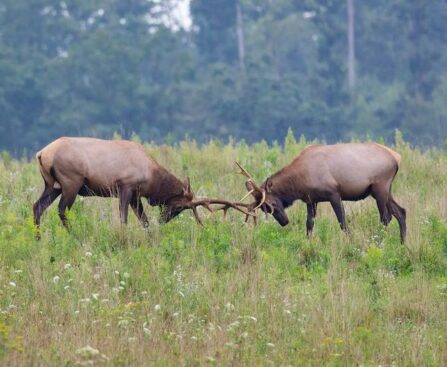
(262, 200)
(243, 171)
(247, 195)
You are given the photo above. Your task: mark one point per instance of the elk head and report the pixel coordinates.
(265, 197)
(188, 200)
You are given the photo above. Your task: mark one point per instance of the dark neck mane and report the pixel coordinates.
(285, 186)
(165, 187)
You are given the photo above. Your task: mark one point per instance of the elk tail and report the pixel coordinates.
(47, 172)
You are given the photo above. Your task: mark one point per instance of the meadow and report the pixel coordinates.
(227, 293)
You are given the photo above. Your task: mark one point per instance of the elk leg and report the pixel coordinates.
(137, 207)
(400, 214)
(46, 199)
(125, 196)
(67, 200)
(311, 213)
(339, 210)
(382, 198)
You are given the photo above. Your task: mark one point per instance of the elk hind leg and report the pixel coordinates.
(46, 199)
(381, 194)
(66, 202)
(401, 215)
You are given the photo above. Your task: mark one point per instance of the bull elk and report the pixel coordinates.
(331, 173)
(94, 167)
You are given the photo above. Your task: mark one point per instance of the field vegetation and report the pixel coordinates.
(226, 293)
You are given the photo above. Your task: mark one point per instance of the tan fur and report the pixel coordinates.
(335, 173)
(396, 155)
(103, 163)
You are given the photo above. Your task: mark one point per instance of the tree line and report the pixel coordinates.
(249, 69)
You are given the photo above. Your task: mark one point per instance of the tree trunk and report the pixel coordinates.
(351, 45)
(240, 35)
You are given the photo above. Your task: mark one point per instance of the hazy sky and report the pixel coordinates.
(183, 14)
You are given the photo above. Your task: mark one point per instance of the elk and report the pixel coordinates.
(114, 168)
(331, 173)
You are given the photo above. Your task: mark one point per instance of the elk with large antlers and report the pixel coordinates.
(331, 173)
(94, 167)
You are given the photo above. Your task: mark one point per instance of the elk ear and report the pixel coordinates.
(268, 185)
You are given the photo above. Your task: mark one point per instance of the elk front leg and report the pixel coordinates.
(137, 207)
(125, 196)
(339, 210)
(311, 213)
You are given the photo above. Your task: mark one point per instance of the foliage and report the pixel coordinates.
(225, 293)
(104, 66)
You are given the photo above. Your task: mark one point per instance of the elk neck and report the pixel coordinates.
(286, 186)
(165, 187)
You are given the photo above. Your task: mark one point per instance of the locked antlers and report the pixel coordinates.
(207, 203)
(252, 188)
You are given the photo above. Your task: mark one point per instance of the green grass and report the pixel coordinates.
(226, 293)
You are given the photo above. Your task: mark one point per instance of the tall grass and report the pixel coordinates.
(226, 293)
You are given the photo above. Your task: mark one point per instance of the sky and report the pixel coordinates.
(183, 14)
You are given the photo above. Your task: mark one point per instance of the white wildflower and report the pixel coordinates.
(123, 323)
(56, 279)
(88, 254)
(157, 308)
(87, 352)
(67, 266)
(12, 284)
(233, 325)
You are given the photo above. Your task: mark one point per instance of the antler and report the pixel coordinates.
(226, 205)
(245, 173)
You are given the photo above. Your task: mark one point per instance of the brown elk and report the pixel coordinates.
(94, 167)
(332, 173)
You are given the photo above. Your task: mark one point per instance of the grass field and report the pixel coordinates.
(225, 293)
